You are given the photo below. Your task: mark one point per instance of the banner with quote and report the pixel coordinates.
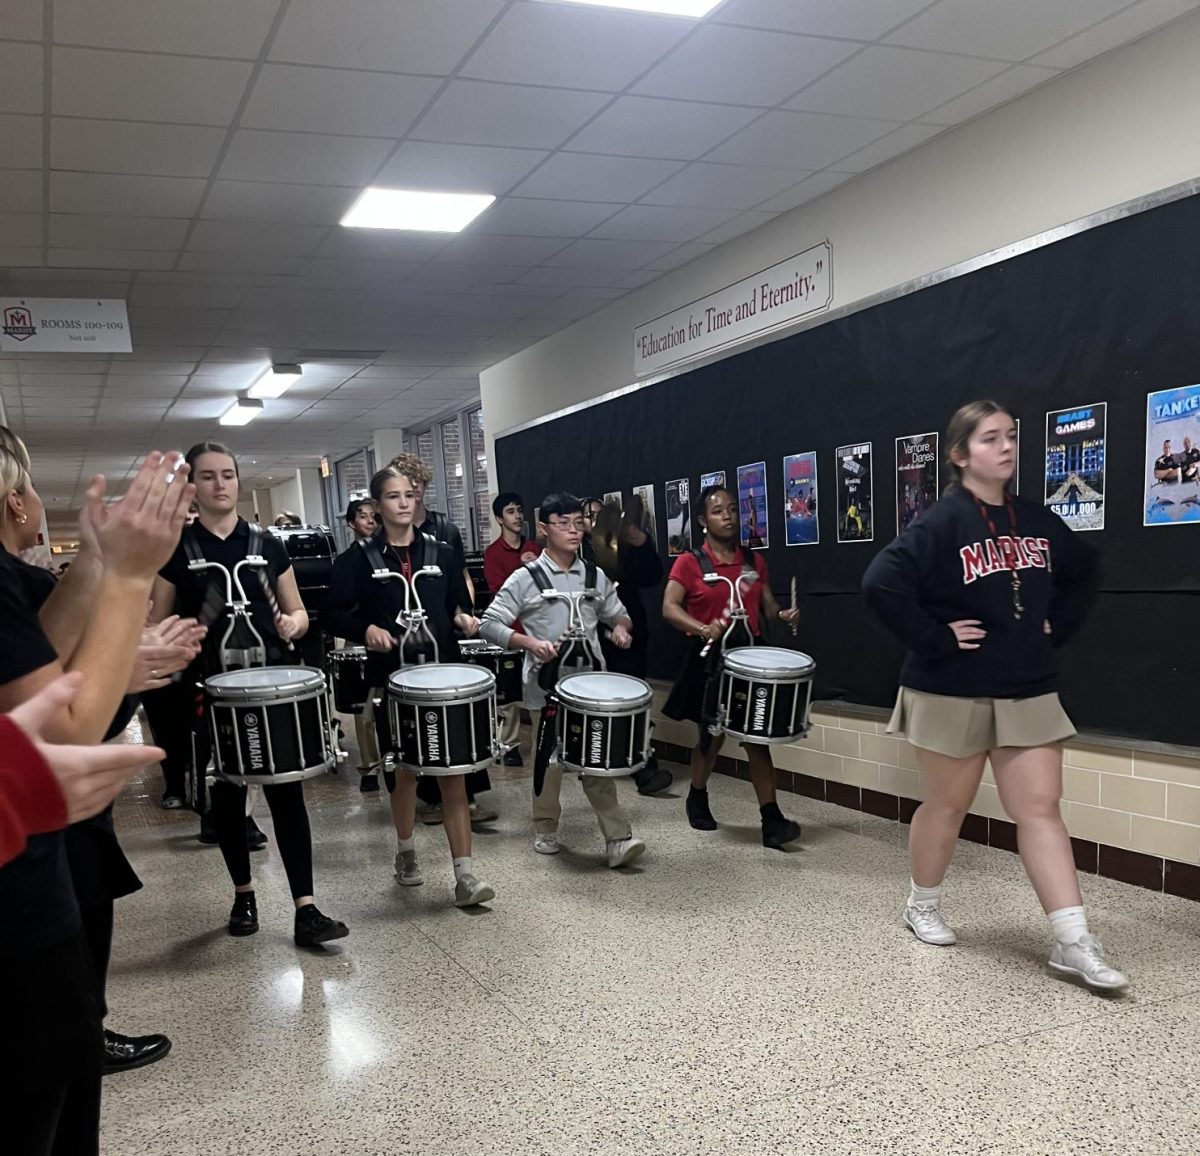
(781, 295)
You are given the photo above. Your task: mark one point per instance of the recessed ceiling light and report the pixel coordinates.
(275, 381)
(692, 8)
(422, 212)
(242, 412)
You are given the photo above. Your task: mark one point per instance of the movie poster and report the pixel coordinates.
(1075, 465)
(647, 520)
(679, 517)
(1172, 457)
(614, 499)
(752, 505)
(800, 500)
(916, 477)
(855, 494)
(716, 478)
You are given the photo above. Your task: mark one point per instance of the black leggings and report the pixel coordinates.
(292, 832)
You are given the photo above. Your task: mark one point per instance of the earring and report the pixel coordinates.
(22, 519)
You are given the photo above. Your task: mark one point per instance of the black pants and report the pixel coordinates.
(51, 1083)
(170, 712)
(98, 933)
(292, 832)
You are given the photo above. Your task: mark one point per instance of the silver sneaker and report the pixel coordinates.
(546, 843)
(470, 892)
(622, 852)
(1086, 960)
(408, 870)
(929, 925)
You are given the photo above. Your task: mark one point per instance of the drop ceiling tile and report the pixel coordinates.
(895, 84)
(422, 36)
(1120, 29)
(475, 112)
(739, 225)
(587, 254)
(683, 255)
(377, 246)
(658, 223)
(482, 305)
(235, 28)
(106, 193)
(1003, 88)
(584, 177)
(641, 126)
(21, 191)
(20, 229)
(250, 236)
(799, 140)
(905, 138)
(1009, 31)
(269, 201)
(238, 262)
(137, 86)
(463, 276)
(530, 217)
(153, 149)
(549, 275)
(21, 70)
(303, 158)
(458, 168)
(22, 137)
(573, 47)
(807, 190)
(854, 19)
(112, 258)
(700, 68)
(722, 186)
(336, 101)
(80, 231)
(570, 309)
(488, 250)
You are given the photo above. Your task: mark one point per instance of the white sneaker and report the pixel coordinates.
(408, 871)
(929, 925)
(623, 851)
(1086, 960)
(546, 843)
(470, 892)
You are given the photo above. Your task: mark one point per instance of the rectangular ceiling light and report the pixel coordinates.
(693, 8)
(421, 212)
(242, 412)
(275, 381)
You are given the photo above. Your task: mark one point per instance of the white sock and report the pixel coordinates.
(1068, 924)
(409, 844)
(924, 896)
(462, 867)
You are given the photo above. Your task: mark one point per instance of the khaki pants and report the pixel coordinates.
(367, 739)
(510, 726)
(600, 792)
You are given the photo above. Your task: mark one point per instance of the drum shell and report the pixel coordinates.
(270, 741)
(348, 679)
(765, 710)
(508, 667)
(443, 738)
(603, 743)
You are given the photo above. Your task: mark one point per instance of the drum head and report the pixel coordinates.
(609, 693)
(265, 682)
(438, 680)
(771, 662)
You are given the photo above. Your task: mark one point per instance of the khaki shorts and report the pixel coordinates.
(961, 727)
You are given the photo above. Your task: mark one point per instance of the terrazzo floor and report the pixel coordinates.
(716, 998)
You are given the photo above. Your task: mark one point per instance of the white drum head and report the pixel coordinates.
(440, 680)
(768, 661)
(266, 682)
(603, 687)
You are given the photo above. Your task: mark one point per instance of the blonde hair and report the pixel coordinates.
(14, 473)
(392, 470)
(962, 425)
(411, 467)
(15, 446)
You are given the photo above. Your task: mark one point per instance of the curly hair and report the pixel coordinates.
(412, 468)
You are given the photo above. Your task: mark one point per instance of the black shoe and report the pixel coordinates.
(652, 778)
(698, 813)
(312, 927)
(776, 829)
(122, 1053)
(256, 837)
(243, 917)
(513, 758)
(368, 783)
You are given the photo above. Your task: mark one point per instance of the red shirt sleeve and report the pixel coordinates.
(685, 570)
(30, 801)
(493, 566)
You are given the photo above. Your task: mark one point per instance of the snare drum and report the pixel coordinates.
(506, 665)
(269, 725)
(603, 723)
(443, 718)
(348, 676)
(765, 694)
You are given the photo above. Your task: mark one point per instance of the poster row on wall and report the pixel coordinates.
(1074, 479)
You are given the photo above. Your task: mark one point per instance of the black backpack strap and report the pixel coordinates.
(255, 547)
(370, 547)
(706, 564)
(589, 575)
(539, 577)
(191, 546)
(439, 524)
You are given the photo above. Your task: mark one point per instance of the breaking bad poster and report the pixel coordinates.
(800, 500)
(716, 478)
(916, 477)
(855, 494)
(679, 517)
(1173, 457)
(752, 505)
(1075, 465)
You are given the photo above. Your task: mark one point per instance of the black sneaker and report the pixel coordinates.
(513, 758)
(243, 918)
(123, 1053)
(368, 784)
(777, 830)
(652, 778)
(256, 837)
(312, 927)
(698, 813)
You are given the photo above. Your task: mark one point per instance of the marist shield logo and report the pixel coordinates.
(18, 323)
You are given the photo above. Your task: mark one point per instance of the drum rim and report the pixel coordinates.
(758, 673)
(346, 653)
(446, 694)
(590, 706)
(313, 685)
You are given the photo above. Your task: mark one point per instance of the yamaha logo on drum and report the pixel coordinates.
(253, 741)
(597, 744)
(433, 737)
(760, 709)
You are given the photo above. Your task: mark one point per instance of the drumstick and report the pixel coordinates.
(795, 624)
(273, 602)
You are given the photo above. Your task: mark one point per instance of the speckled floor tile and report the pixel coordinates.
(718, 997)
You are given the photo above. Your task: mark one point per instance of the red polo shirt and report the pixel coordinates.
(500, 560)
(707, 603)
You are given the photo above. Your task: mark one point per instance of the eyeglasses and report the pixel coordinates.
(575, 524)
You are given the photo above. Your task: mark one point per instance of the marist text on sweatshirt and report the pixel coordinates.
(947, 566)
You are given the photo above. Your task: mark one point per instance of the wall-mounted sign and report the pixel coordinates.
(63, 325)
(781, 295)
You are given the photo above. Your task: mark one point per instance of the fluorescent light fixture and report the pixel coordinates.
(693, 8)
(275, 381)
(243, 411)
(421, 212)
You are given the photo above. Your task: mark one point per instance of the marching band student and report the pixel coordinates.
(698, 609)
(363, 610)
(543, 623)
(981, 589)
(219, 534)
